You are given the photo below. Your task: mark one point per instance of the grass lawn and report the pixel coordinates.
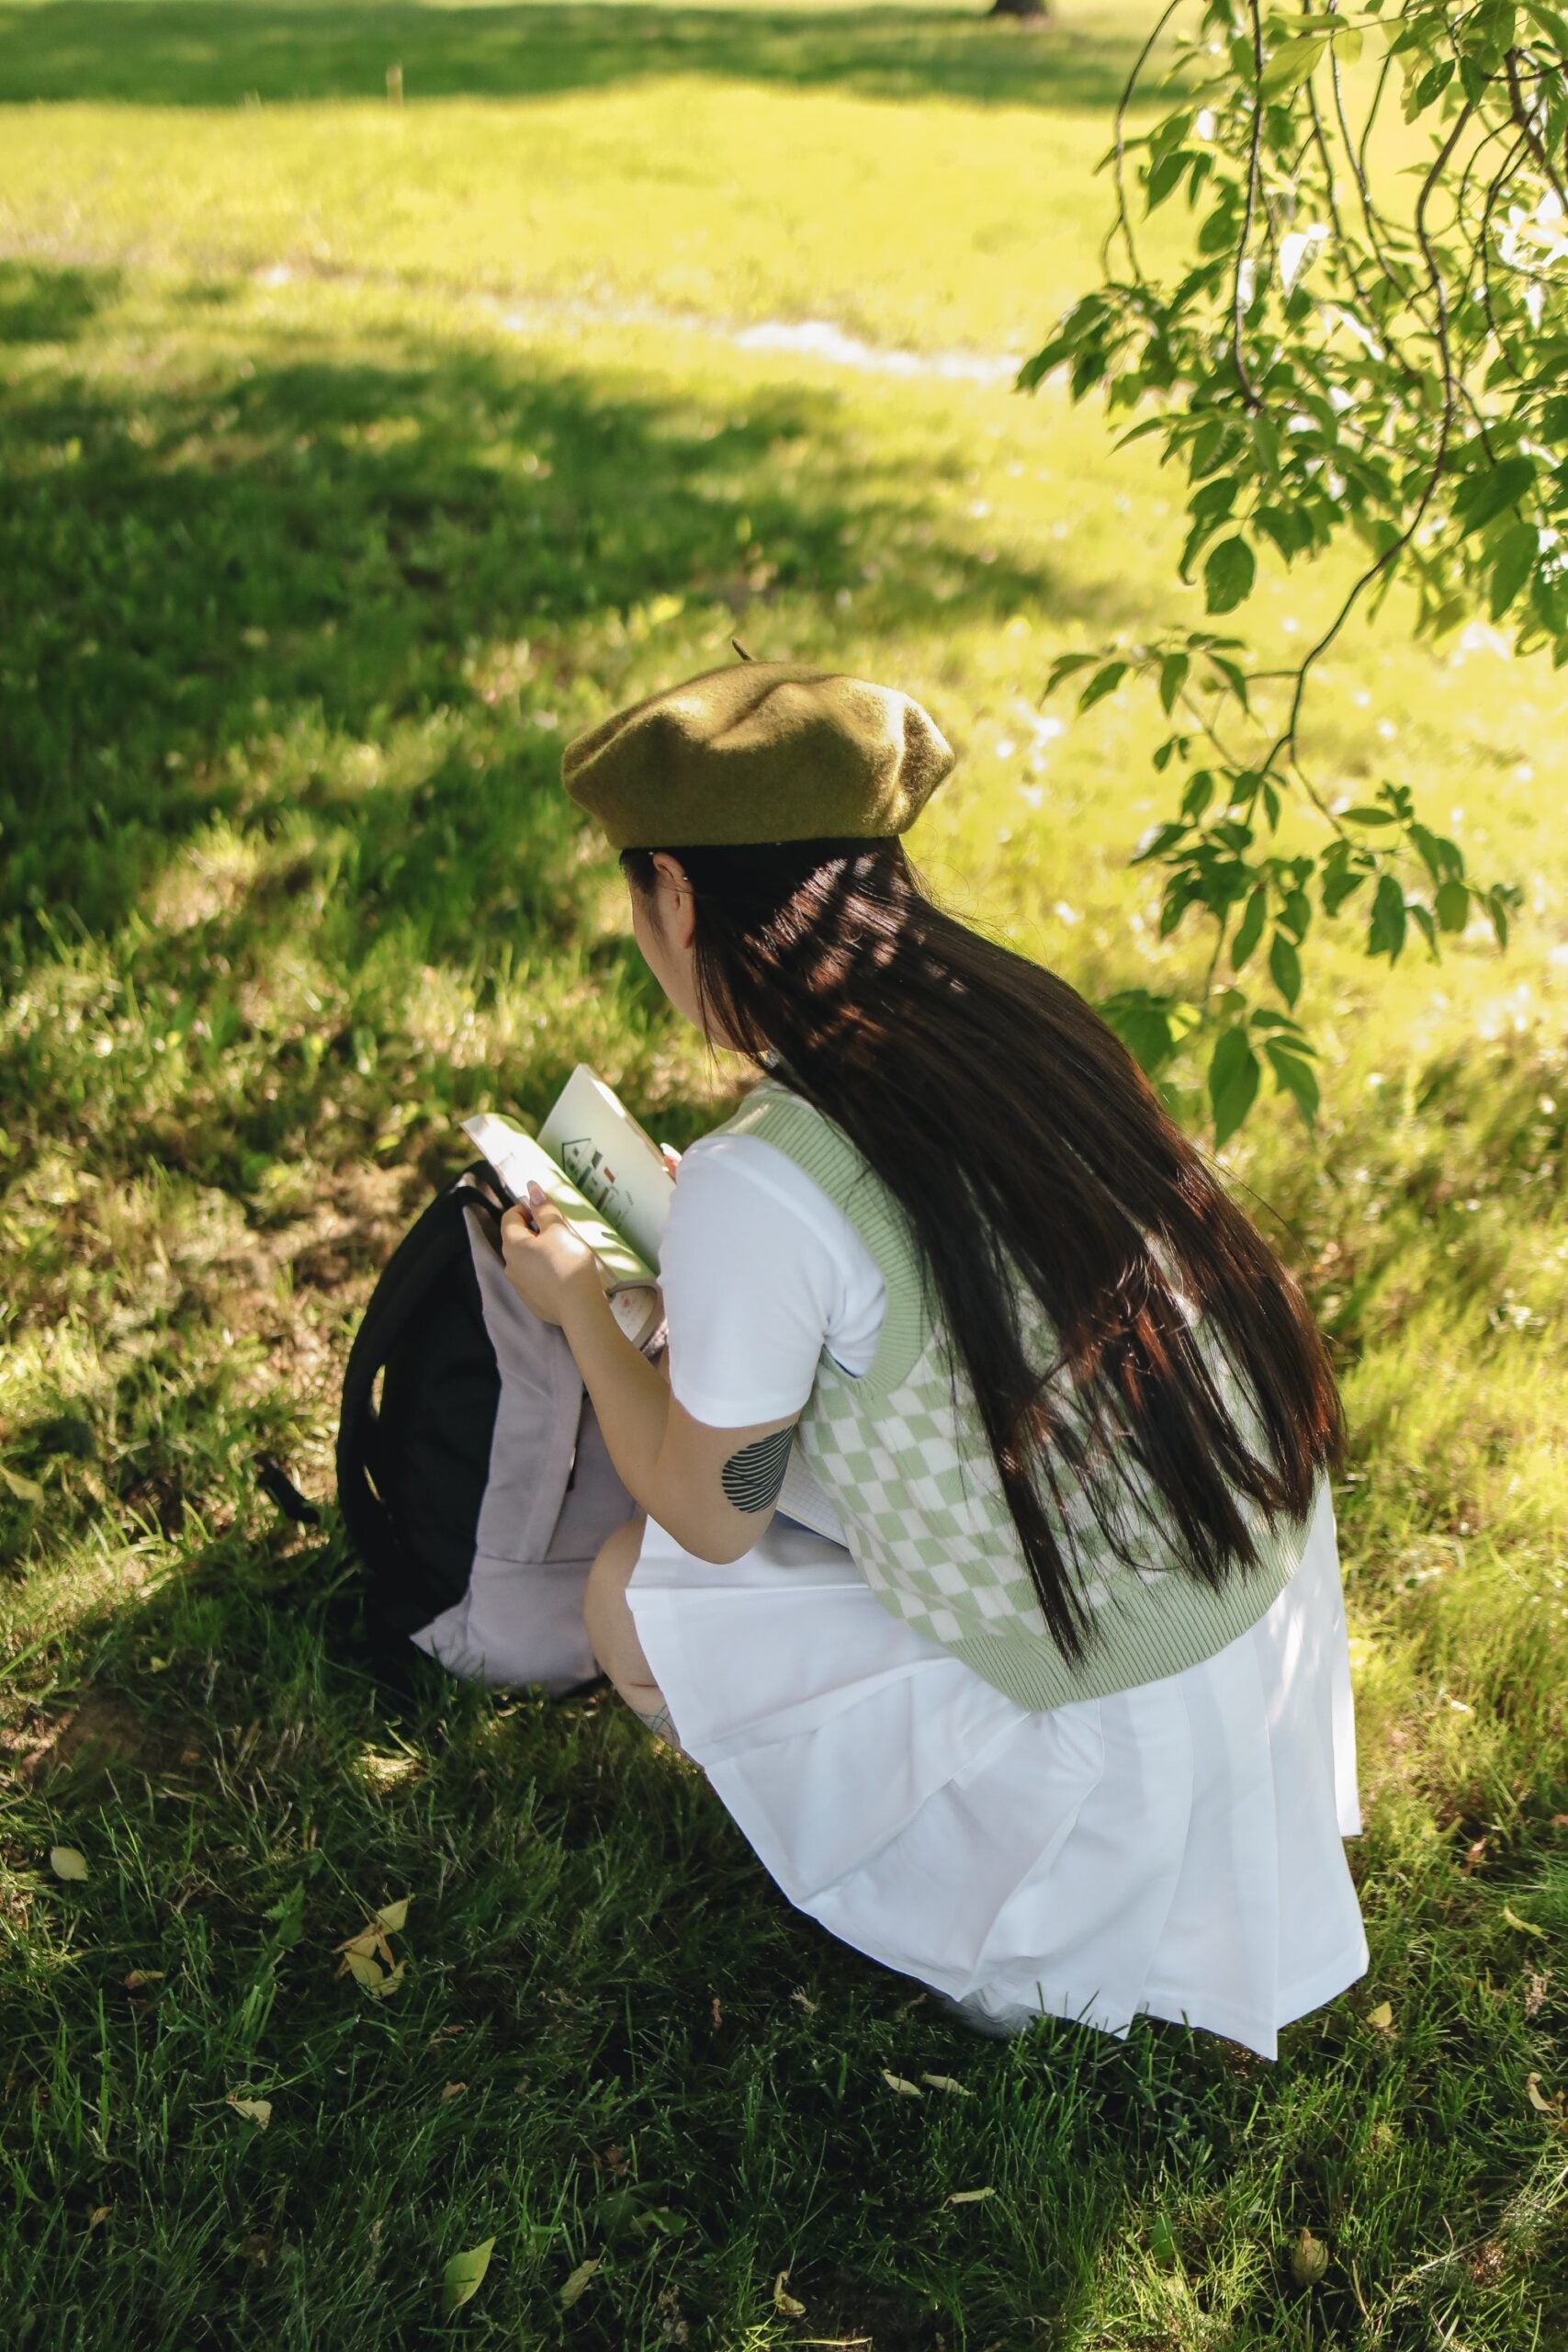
(354, 455)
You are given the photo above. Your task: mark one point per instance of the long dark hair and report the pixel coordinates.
(1026, 1147)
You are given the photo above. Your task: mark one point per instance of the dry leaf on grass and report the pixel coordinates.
(363, 1968)
(27, 1491)
(1541, 2104)
(904, 2089)
(1529, 1926)
(66, 1862)
(790, 2305)
(390, 1982)
(947, 2083)
(453, 2090)
(254, 2110)
(99, 2213)
(579, 2277)
(464, 2276)
(969, 2196)
(1309, 2261)
(393, 1916)
(803, 2001)
(140, 1976)
(1381, 2017)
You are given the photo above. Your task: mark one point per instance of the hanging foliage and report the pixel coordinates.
(1347, 352)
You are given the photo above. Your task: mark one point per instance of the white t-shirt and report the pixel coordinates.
(759, 1272)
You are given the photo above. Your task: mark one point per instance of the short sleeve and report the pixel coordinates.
(751, 1290)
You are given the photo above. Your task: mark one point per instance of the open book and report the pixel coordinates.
(607, 1177)
(611, 1182)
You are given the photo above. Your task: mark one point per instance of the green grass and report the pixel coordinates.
(338, 490)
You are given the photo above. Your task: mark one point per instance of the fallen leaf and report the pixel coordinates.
(717, 2014)
(393, 1916)
(905, 2090)
(803, 2000)
(389, 1983)
(1473, 1856)
(947, 2083)
(1541, 2104)
(453, 2090)
(66, 1862)
(1309, 2261)
(579, 2277)
(444, 2033)
(790, 2305)
(969, 2196)
(140, 1976)
(364, 1945)
(99, 2213)
(362, 1968)
(27, 1491)
(1512, 1917)
(1381, 2017)
(254, 2110)
(464, 2276)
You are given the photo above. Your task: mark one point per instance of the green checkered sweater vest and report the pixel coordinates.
(921, 1503)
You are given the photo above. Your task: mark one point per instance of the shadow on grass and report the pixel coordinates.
(353, 583)
(51, 305)
(149, 52)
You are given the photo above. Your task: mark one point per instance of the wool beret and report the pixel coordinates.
(758, 752)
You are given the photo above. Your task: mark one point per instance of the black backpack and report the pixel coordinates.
(477, 1486)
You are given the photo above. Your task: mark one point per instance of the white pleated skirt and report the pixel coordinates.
(1175, 1850)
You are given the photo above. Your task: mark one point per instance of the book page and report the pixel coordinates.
(611, 1159)
(517, 1158)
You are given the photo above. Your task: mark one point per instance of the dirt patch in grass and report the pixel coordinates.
(102, 1731)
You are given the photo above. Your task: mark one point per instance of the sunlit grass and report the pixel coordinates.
(317, 543)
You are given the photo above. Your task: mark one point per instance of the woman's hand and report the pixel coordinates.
(546, 1264)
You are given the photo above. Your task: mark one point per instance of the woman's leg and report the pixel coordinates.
(611, 1629)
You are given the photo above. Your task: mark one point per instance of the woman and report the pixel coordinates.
(984, 1557)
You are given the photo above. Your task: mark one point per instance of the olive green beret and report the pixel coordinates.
(758, 752)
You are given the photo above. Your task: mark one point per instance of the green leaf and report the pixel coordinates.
(1285, 966)
(66, 1861)
(1550, 22)
(464, 2276)
(1199, 792)
(1291, 64)
(1105, 681)
(1428, 88)
(1157, 839)
(1386, 931)
(1452, 904)
(1554, 423)
(1249, 931)
(1512, 565)
(1228, 575)
(1288, 526)
(1172, 678)
(1234, 1074)
(1295, 1077)
(1483, 495)
(289, 1914)
(1143, 1022)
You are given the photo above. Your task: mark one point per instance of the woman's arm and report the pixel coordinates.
(714, 1490)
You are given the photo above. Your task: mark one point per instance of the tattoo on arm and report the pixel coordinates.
(753, 1479)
